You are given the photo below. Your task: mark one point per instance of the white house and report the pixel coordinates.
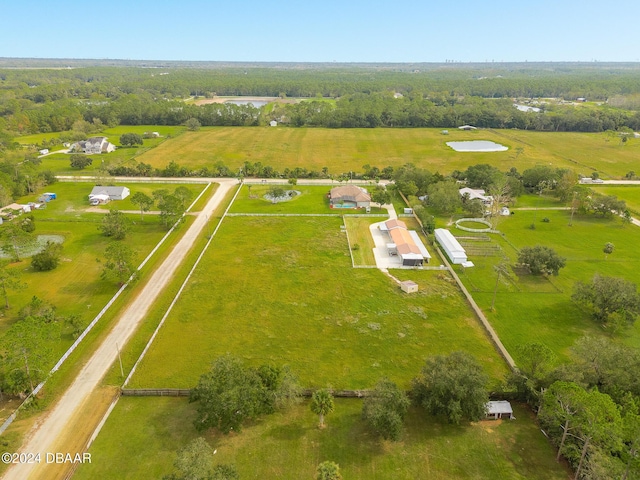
(93, 145)
(476, 194)
(112, 193)
(273, 123)
(451, 246)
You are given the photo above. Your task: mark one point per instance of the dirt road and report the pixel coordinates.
(43, 438)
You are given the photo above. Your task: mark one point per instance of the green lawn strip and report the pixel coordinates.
(629, 193)
(287, 294)
(360, 236)
(131, 352)
(142, 436)
(312, 199)
(537, 201)
(344, 150)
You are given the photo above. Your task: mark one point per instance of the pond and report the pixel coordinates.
(477, 146)
(32, 247)
(254, 103)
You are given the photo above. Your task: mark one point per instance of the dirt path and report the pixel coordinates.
(45, 434)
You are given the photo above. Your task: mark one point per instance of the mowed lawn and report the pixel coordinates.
(309, 199)
(344, 150)
(282, 291)
(142, 436)
(537, 309)
(629, 193)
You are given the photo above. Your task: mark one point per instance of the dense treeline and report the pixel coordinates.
(45, 100)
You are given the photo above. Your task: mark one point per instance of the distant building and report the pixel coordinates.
(273, 123)
(44, 151)
(93, 145)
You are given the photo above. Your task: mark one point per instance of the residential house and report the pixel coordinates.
(349, 196)
(93, 145)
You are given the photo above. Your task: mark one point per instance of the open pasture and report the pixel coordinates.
(282, 291)
(142, 436)
(537, 309)
(344, 150)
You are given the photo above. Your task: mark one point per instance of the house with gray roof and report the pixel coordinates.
(112, 193)
(93, 145)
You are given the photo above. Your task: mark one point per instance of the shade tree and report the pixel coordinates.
(119, 263)
(610, 300)
(385, 409)
(143, 201)
(115, 225)
(541, 260)
(230, 393)
(453, 386)
(48, 258)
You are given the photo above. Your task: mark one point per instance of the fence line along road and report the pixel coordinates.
(45, 435)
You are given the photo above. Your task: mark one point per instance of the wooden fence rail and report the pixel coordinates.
(184, 392)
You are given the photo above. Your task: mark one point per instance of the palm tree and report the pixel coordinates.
(322, 404)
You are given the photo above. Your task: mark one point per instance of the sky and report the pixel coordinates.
(329, 31)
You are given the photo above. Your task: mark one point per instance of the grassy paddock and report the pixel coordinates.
(360, 235)
(302, 304)
(343, 150)
(142, 436)
(531, 308)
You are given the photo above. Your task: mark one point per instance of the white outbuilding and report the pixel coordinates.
(499, 409)
(114, 193)
(451, 246)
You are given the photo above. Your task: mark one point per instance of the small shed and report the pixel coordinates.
(409, 286)
(499, 409)
(273, 123)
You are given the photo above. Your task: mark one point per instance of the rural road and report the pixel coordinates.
(42, 438)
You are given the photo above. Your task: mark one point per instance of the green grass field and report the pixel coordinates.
(282, 290)
(142, 436)
(530, 308)
(343, 150)
(629, 193)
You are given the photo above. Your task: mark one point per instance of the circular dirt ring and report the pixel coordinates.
(482, 221)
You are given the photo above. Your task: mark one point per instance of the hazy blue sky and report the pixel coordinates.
(342, 31)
